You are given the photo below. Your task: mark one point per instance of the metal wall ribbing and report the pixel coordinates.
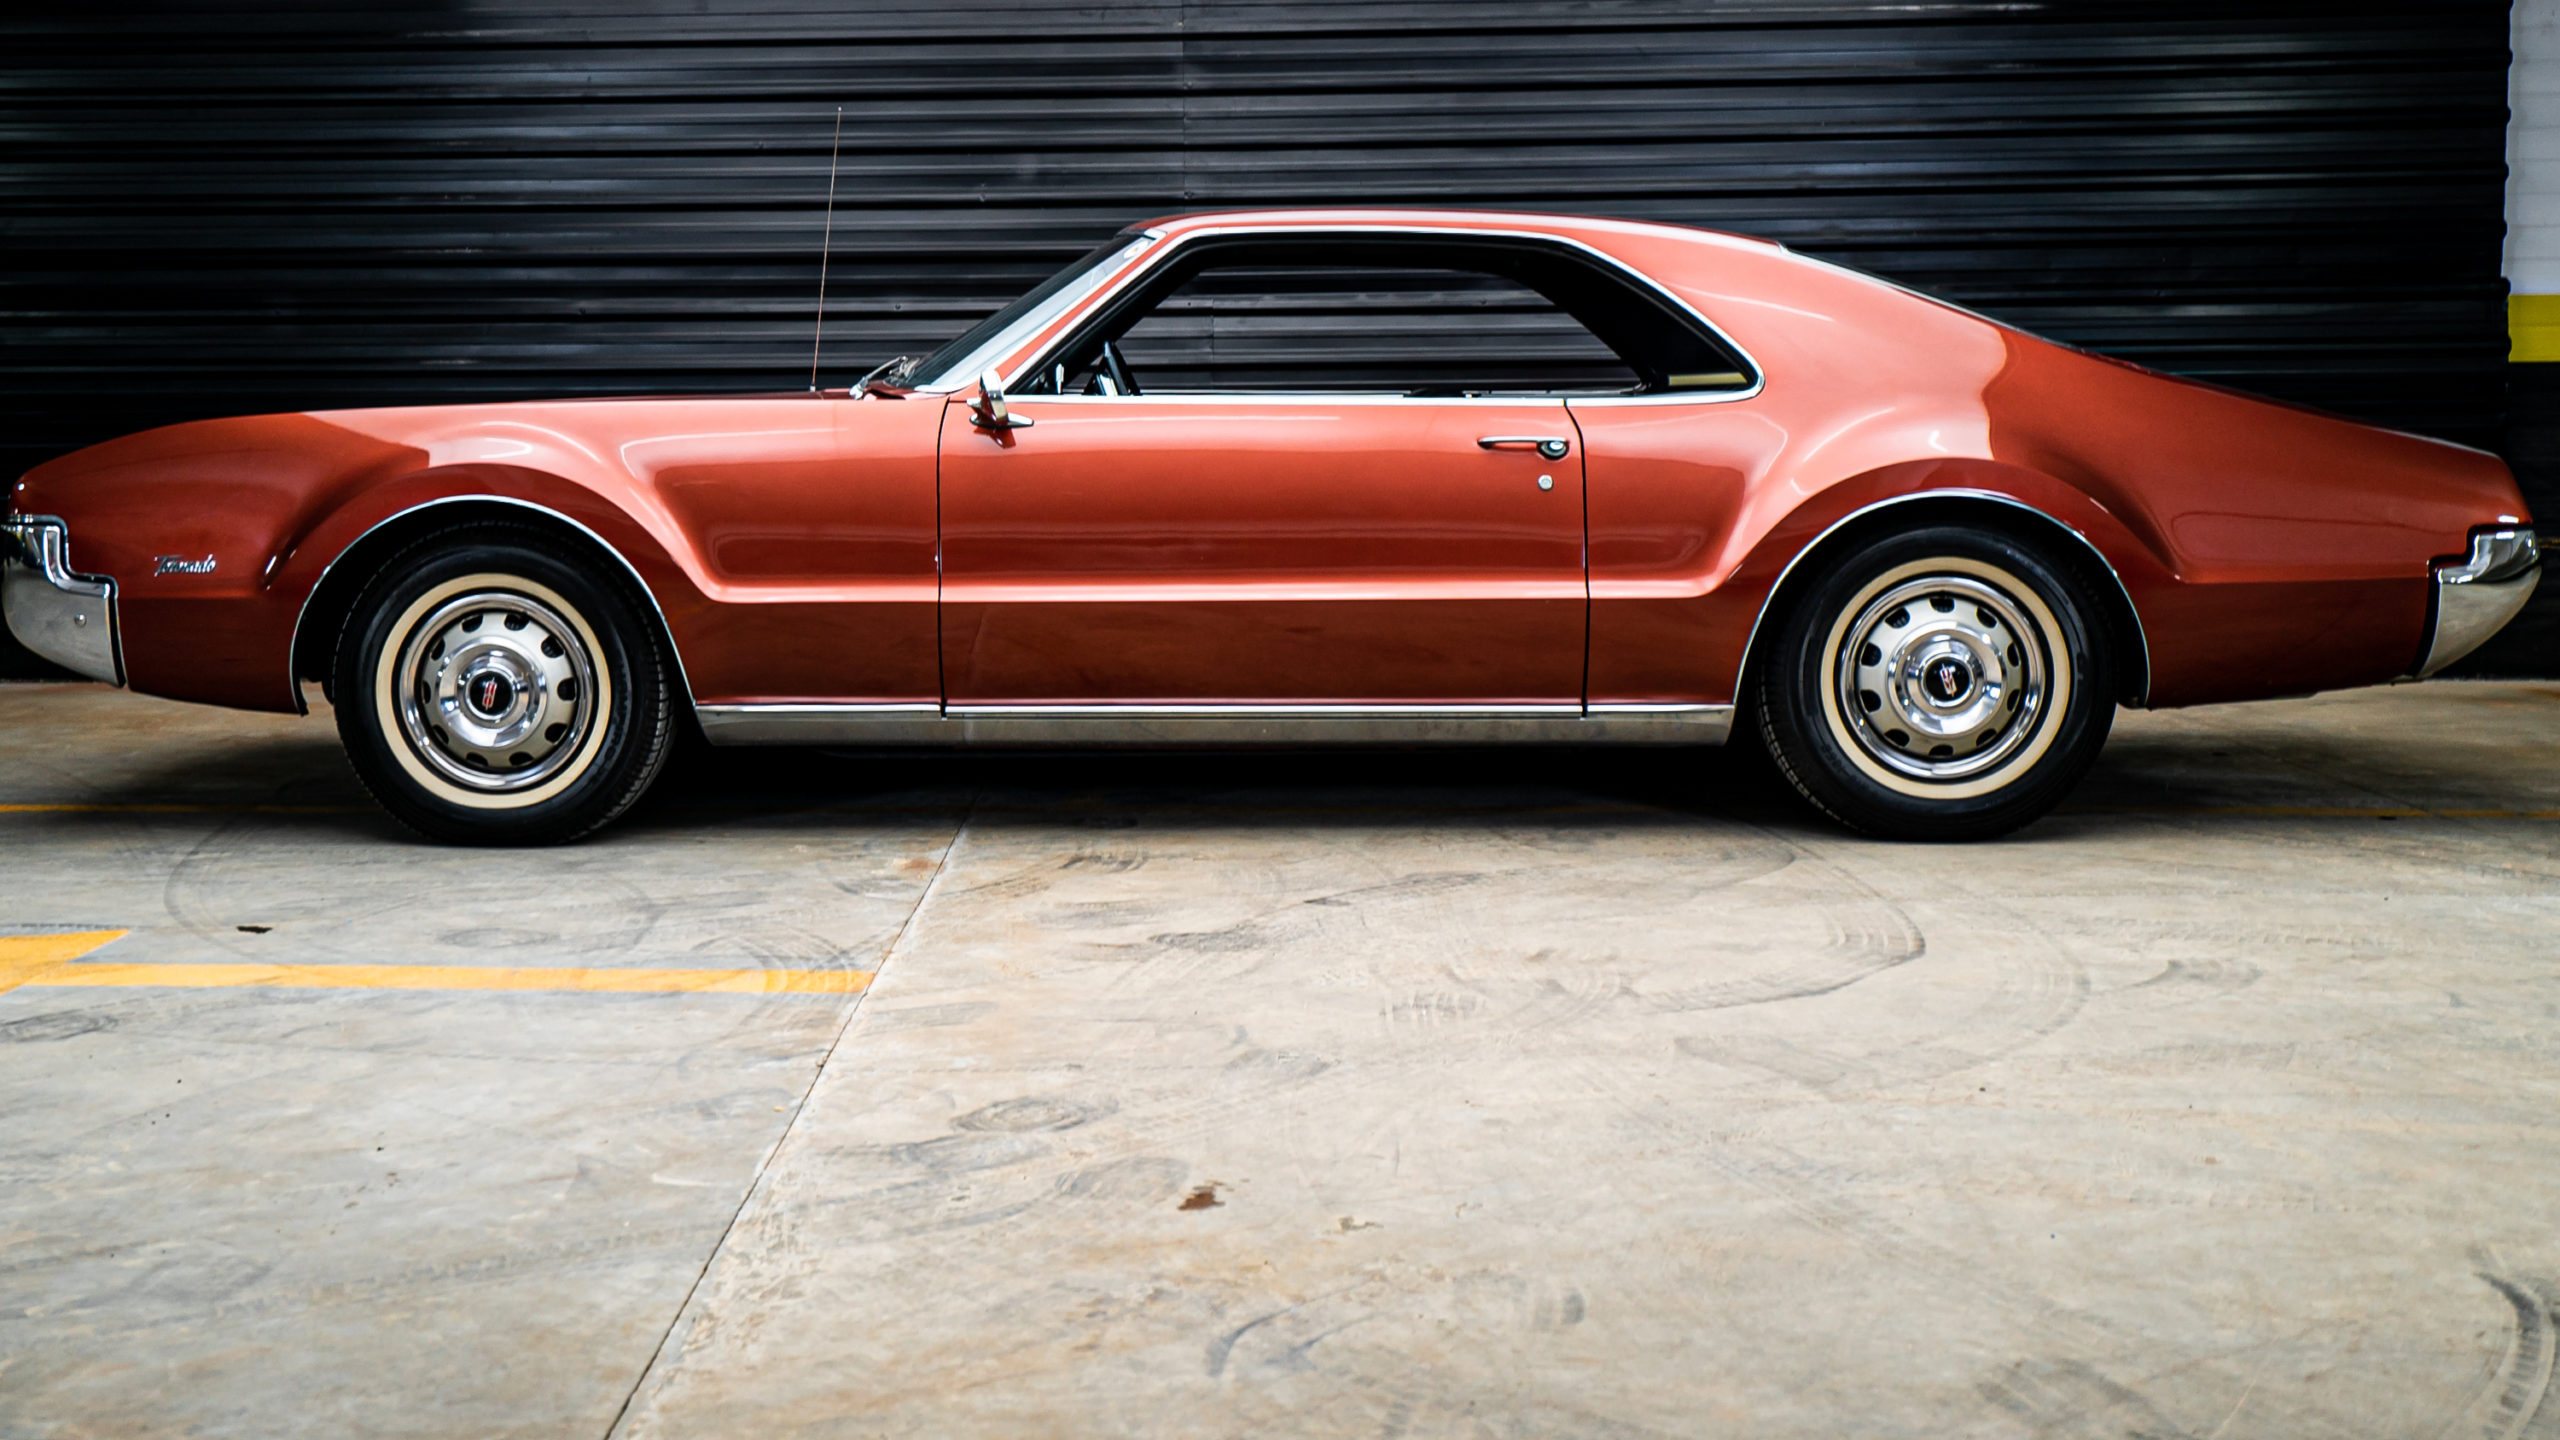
(218, 209)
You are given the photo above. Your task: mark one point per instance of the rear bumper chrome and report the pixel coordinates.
(2478, 594)
(66, 618)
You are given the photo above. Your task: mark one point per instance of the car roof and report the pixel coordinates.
(1588, 229)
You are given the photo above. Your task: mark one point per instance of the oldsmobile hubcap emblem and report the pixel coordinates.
(490, 693)
(1948, 681)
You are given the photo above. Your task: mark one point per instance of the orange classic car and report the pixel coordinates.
(1284, 477)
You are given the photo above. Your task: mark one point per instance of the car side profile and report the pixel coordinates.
(1546, 480)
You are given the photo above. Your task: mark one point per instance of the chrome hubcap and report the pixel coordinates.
(495, 690)
(1942, 677)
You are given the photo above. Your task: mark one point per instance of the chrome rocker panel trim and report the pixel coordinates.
(1152, 725)
(69, 619)
(2476, 596)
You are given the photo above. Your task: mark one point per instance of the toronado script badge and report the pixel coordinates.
(181, 565)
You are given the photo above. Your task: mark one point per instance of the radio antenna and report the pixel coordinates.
(825, 242)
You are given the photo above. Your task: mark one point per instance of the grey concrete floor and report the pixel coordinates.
(1463, 1094)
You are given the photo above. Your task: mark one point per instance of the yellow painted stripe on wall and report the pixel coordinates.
(52, 962)
(2533, 328)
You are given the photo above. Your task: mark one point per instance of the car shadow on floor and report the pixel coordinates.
(303, 782)
(1221, 787)
(2139, 776)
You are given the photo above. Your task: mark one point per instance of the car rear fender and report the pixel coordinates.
(2073, 526)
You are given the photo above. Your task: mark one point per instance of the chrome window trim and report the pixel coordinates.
(1289, 397)
(293, 646)
(1033, 324)
(913, 723)
(1148, 263)
(1751, 642)
(41, 546)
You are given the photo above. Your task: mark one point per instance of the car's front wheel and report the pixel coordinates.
(492, 690)
(1940, 684)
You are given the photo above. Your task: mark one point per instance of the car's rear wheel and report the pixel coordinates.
(493, 690)
(1940, 684)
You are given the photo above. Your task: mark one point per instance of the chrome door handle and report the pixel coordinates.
(1553, 447)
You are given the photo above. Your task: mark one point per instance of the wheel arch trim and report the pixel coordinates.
(1778, 587)
(293, 648)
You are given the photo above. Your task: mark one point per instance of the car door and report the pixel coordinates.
(1223, 549)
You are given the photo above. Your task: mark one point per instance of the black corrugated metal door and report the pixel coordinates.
(211, 210)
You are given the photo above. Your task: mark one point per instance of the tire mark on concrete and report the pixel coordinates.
(409, 891)
(1314, 1318)
(60, 1025)
(2185, 981)
(2042, 986)
(106, 1314)
(2058, 1397)
(1340, 918)
(924, 1210)
(1820, 1196)
(1289, 922)
(1859, 946)
(1442, 1027)
(2524, 1381)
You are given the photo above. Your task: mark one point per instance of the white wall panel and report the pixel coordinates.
(2533, 150)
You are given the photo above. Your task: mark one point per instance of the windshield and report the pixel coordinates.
(989, 340)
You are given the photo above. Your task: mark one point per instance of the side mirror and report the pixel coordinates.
(989, 412)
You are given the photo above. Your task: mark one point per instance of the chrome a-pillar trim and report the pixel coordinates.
(2478, 594)
(68, 618)
(1150, 725)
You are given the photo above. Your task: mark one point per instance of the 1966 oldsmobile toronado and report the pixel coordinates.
(1571, 480)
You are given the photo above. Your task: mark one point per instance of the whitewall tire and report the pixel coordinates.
(493, 689)
(1940, 684)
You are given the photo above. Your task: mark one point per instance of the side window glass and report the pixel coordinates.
(1402, 331)
(1419, 317)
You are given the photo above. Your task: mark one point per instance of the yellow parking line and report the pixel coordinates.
(49, 807)
(22, 951)
(453, 977)
(52, 962)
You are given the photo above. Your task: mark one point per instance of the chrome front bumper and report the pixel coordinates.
(2478, 594)
(66, 618)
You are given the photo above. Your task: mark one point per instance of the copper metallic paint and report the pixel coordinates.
(1159, 550)
(1260, 550)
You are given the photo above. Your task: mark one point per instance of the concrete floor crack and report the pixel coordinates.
(671, 1339)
